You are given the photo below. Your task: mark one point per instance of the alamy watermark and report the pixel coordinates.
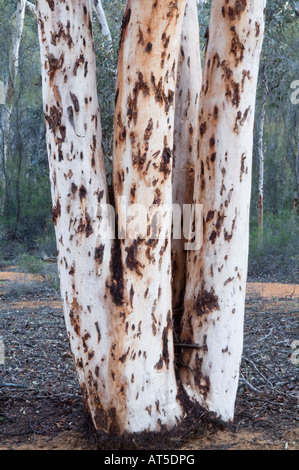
(295, 94)
(157, 221)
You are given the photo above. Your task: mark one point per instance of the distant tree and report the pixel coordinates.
(274, 81)
(16, 29)
(117, 293)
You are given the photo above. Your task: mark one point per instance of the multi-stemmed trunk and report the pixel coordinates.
(216, 274)
(117, 293)
(78, 185)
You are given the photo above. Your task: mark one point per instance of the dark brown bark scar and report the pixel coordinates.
(206, 302)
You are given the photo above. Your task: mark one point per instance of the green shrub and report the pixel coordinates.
(280, 235)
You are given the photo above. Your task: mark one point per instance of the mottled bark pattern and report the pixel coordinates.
(216, 276)
(186, 135)
(78, 183)
(142, 173)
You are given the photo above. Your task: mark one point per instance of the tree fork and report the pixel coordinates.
(118, 314)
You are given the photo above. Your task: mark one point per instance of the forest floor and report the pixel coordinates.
(41, 405)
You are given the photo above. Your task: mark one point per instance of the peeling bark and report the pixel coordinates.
(186, 135)
(216, 275)
(142, 174)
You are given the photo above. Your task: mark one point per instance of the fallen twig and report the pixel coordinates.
(251, 387)
(249, 361)
(8, 385)
(266, 401)
(267, 336)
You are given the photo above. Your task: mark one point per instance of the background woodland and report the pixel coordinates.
(26, 227)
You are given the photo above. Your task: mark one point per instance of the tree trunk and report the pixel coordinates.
(9, 89)
(296, 192)
(142, 175)
(261, 166)
(31, 8)
(19, 155)
(186, 135)
(79, 192)
(117, 294)
(216, 275)
(97, 6)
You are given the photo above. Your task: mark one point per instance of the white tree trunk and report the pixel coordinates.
(261, 166)
(142, 174)
(17, 24)
(79, 190)
(117, 300)
(186, 135)
(216, 275)
(97, 6)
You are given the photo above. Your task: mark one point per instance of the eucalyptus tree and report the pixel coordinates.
(117, 290)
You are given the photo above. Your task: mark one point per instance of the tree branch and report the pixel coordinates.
(97, 7)
(31, 8)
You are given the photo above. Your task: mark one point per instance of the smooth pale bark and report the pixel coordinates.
(16, 37)
(216, 275)
(142, 174)
(17, 24)
(261, 165)
(79, 191)
(97, 6)
(186, 136)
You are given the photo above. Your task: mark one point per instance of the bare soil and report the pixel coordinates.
(41, 405)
